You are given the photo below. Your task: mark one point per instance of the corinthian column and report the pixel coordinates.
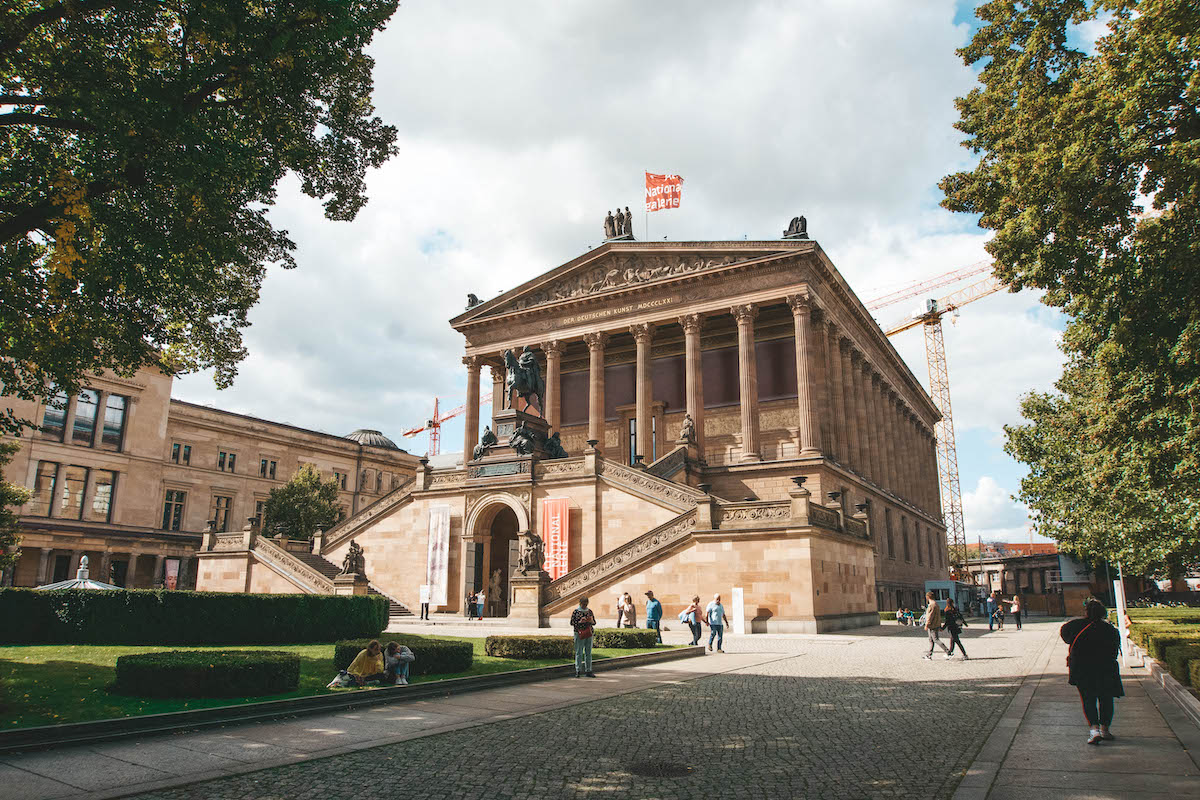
(694, 374)
(833, 394)
(853, 432)
(643, 335)
(595, 343)
(553, 399)
(889, 437)
(875, 448)
(806, 395)
(471, 413)
(748, 379)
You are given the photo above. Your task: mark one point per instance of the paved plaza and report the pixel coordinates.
(856, 715)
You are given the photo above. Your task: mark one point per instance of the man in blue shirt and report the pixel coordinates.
(714, 617)
(654, 615)
(991, 610)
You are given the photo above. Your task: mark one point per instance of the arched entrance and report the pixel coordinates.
(495, 525)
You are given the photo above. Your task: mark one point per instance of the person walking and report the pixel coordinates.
(714, 617)
(654, 615)
(691, 615)
(620, 610)
(472, 601)
(954, 622)
(1015, 608)
(630, 613)
(933, 623)
(481, 605)
(583, 623)
(991, 611)
(1092, 647)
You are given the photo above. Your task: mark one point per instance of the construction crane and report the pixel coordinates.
(434, 423)
(936, 282)
(930, 316)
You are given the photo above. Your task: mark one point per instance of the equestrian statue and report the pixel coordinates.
(525, 375)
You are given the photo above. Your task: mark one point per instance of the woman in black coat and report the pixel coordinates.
(1092, 667)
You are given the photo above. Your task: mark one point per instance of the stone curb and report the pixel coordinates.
(49, 736)
(1183, 698)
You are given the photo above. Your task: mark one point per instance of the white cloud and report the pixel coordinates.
(990, 513)
(521, 124)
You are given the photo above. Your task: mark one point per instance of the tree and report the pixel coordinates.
(303, 505)
(12, 497)
(1073, 149)
(140, 147)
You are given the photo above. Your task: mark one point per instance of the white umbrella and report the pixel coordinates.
(80, 581)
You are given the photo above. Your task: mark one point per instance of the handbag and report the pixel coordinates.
(585, 632)
(1073, 641)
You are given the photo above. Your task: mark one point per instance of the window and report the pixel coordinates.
(632, 440)
(340, 478)
(55, 419)
(43, 489)
(175, 452)
(260, 510)
(226, 462)
(104, 487)
(920, 544)
(181, 453)
(83, 431)
(653, 439)
(232, 462)
(187, 454)
(173, 510)
(221, 512)
(887, 524)
(113, 434)
(266, 469)
(904, 538)
(221, 461)
(74, 479)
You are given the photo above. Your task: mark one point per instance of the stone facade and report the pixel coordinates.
(130, 477)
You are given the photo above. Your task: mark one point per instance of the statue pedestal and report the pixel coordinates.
(350, 584)
(526, 608)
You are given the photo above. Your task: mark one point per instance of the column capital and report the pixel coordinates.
(746, 312)
(856, 356)
(498, 372)
(472, 362)
(845, 345)
(800, 303)
(554, 346)
(691, 323)
(642, 331)
(876, 380)
(596, 340)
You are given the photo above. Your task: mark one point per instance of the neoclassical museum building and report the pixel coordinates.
(717, 417)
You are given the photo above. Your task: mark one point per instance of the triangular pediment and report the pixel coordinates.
(616, 267)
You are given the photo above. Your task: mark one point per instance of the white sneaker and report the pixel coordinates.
(948, 656)
(928, 656)
(1094, 736)
(403, 681)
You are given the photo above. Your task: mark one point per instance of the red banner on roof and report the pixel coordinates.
(663, 191)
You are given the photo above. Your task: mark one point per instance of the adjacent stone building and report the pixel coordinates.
(130, 477)
(734, 421)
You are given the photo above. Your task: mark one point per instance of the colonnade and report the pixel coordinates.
(846, 408)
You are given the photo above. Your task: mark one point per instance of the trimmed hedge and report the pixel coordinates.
(1156, 642)
(157, 616)
(1194, 672)
(1177, 658)
(434, 656)
(530, 647)
(624, 638)
(1163, 612)
(198, 673)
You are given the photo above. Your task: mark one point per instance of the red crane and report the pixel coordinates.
(434, 423)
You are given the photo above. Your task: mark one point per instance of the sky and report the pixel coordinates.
(521, 124)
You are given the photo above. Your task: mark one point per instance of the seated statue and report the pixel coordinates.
(486, 442)
(554, 448)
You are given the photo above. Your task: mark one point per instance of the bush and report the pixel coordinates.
(199, 673)
(1177, 659)
(1157, 642)
(624, 638)
(1194, 673)
(530, 647)
(157, 616)
(434, 656)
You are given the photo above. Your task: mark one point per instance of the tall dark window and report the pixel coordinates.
(904, 538)
(221, 512)
(43, 489)
(260, 507)
(74, 480)
(175, 449)
(233, 462)
(104, 488)
(173, 510)
(83, 431)
(55, 419)
(633, 440)
(920, 544)
(271, 471)
(887, 524)
(262, 468)
(113, 434)
(187, 454)
(221, 461)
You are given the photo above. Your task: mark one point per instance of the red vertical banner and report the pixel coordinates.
(663, 191)
(556, 527)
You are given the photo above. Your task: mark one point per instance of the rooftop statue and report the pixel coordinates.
(525, 375)
(798, 229)
(610, 226)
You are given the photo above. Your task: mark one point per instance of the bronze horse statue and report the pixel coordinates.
(525, 375)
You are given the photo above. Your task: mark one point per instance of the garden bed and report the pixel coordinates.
(54, 684)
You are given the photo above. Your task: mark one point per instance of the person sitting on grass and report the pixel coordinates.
(396, 659)
(367, 666)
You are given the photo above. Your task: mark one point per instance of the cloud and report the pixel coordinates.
(521, 124)
(990, 513)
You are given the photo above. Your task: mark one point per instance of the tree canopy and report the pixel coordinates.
(303, 505)
(1089, 173)
(140, 147)
(12, 497)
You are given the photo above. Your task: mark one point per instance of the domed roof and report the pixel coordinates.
(372, 438)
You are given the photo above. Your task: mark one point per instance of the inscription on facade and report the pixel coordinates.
(615, 312)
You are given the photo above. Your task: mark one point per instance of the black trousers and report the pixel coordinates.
(1098, 710)
(1017, 617)
(955, 641)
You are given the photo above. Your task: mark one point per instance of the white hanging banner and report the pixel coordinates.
(437, 567)
(739, 612)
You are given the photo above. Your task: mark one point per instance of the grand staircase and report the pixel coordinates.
(329, 570)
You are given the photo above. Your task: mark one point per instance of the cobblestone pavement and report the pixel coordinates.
(834, 716)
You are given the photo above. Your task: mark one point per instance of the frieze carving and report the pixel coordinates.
(619, 559)
(823, 517)
(620, 272)
(560, 469)
(856, 527)
(446, 479)
(673, 494)
(759, 512)
(269, 551)
(229, 541)
(498, 470)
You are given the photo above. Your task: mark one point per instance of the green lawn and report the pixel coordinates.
(51, 684)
